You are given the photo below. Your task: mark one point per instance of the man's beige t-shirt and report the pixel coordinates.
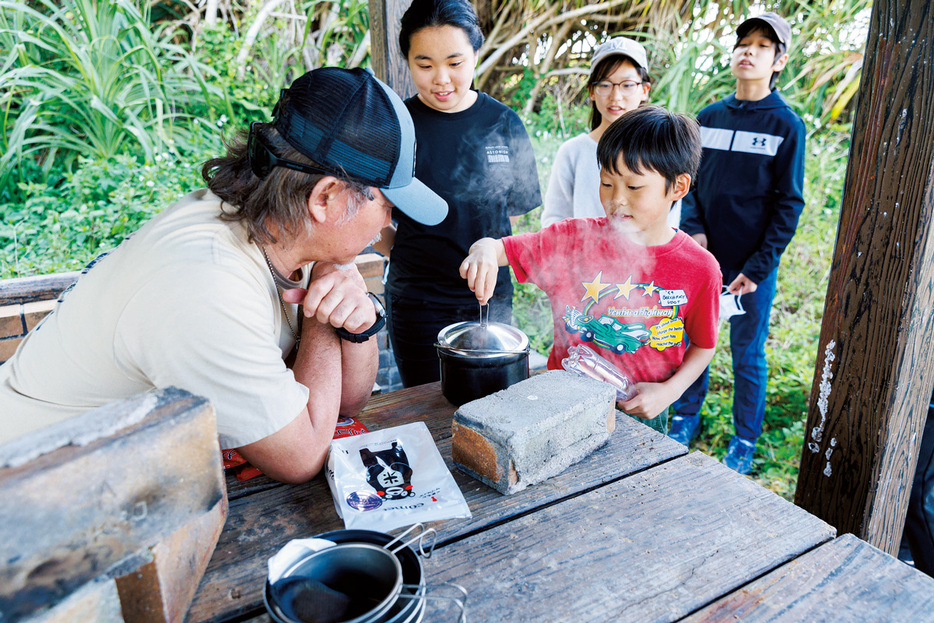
(186, 301)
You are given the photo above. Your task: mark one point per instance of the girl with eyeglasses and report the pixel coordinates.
(619, 82)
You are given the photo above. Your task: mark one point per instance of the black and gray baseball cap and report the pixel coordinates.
(353, 125)
(771, 20)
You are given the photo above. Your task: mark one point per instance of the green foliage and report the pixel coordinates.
(62, 228)
(692, 60)
(689, 46)
(88, 79)
(794, 331)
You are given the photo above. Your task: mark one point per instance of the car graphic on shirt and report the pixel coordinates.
(606, 331)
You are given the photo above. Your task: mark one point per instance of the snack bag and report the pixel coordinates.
(391, 478)
(583, 361)
(347, 427)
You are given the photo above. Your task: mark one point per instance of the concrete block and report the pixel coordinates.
(533, 430)
(96, 601)
(133, 491)
(162, 588)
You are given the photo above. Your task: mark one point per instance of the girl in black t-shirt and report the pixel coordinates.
(474, 152)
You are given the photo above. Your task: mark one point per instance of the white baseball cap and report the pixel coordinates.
(620, 46)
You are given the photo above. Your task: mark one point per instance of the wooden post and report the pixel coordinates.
(388, 64)
(875, 360)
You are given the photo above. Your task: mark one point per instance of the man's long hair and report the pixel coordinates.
(277, 202)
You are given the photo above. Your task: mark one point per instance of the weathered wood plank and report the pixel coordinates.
(650, 547)
(259, 524)
(30, 289)
(875, 367)
(843, 580)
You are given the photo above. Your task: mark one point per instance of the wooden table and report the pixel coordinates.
(638, 531)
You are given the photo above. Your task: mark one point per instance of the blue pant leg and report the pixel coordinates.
(919, 523)
(750, 371)
(693, 397)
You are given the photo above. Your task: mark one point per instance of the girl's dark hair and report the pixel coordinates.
(654, 138)
(433, 13)
(780, 47)
(601, 72)
(281, 198)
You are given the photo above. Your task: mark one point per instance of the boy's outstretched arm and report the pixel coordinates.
(481, 267)
(654, 398)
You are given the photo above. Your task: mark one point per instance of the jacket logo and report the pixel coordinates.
(739, 141)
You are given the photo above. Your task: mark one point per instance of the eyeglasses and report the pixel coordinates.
(605, 87)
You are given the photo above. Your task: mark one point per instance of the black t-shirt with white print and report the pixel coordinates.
(480, 161)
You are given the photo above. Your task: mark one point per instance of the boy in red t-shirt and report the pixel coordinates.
(641, 294)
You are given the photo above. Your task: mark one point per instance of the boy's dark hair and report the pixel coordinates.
(433, 13)
(765, 30)
(601, 72)
(652, 137)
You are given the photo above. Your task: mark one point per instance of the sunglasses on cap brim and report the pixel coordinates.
(262, 160)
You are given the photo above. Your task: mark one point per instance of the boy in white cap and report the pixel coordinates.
(744, 209)
(216, 292)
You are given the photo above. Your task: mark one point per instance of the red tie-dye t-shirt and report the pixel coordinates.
(633, 305)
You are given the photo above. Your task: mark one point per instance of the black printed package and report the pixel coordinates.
(391, 478)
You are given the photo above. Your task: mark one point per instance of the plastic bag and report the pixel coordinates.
(391, 478)
(585, 362)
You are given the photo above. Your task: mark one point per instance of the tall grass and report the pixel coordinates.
(89, 79)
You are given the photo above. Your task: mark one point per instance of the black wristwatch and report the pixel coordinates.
(356, 338)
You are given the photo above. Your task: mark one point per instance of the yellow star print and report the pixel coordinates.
(625, 288)
(650, 289)
(594, 288)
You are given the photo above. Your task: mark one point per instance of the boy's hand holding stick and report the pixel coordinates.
(481, 267)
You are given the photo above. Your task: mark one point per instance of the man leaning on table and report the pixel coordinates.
(206, 295)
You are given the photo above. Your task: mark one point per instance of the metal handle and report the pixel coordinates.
(420, 537)
(484, 317)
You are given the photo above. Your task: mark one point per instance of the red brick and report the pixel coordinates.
(8, 347)
(34, 312)
(11, 321)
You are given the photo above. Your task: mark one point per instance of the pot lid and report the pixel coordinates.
(489, 337)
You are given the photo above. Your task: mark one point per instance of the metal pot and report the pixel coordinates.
(478, 359)
(405, 603)
(409, 597)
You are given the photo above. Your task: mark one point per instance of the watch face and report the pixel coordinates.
(380, 310)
